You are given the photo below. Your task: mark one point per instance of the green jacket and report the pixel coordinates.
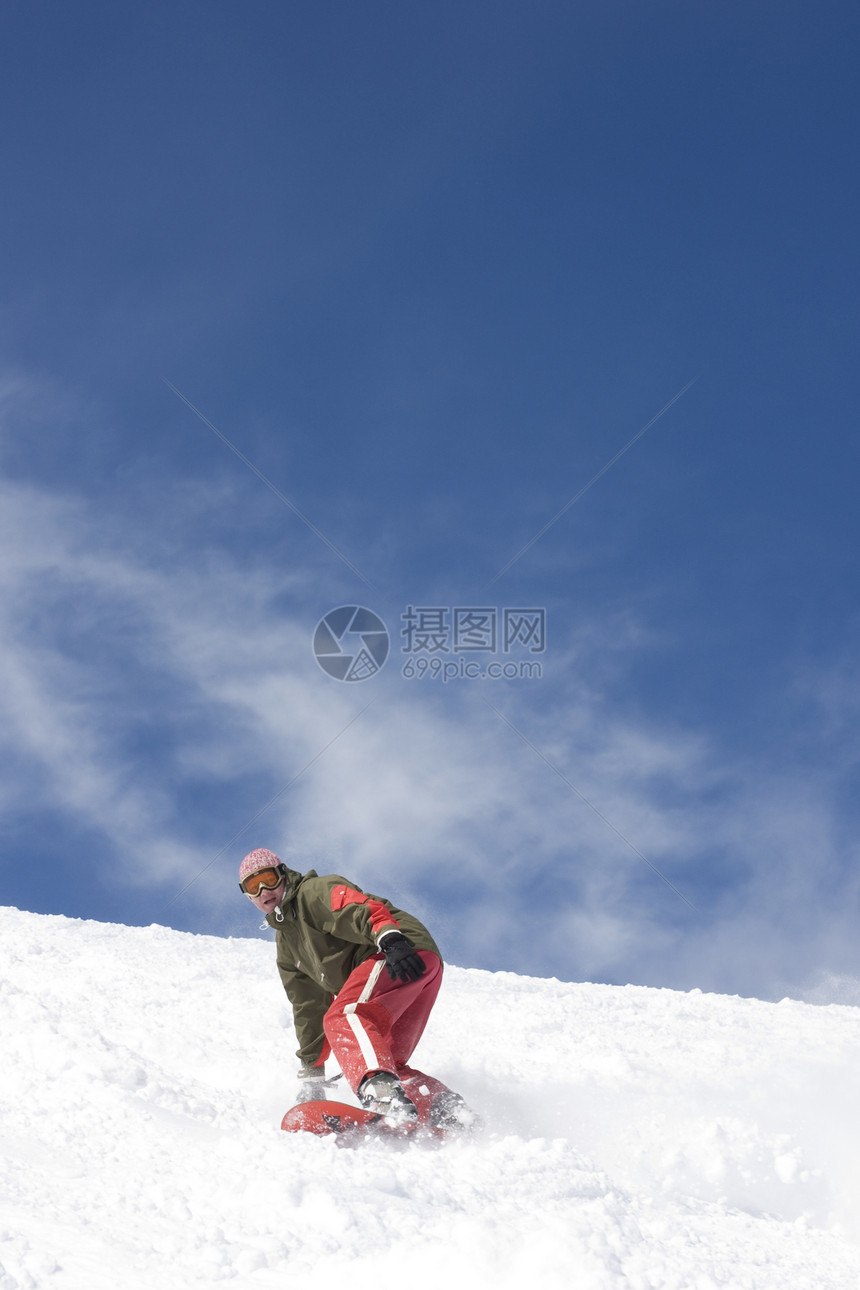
(325, 927)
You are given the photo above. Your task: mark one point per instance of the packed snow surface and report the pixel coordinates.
(634, 1137)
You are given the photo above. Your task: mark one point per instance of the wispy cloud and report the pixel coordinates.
(159, 691)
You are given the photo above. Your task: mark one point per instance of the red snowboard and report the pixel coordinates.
(350, 1123)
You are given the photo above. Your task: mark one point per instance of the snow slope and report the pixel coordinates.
(636, 1138)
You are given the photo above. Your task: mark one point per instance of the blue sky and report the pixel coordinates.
(429, 269)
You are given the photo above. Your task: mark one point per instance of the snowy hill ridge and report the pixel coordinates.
(635, 1137)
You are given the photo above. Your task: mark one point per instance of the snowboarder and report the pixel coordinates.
(362, 977)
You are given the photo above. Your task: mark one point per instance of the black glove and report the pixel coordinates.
(402, 960)
(311, 1085)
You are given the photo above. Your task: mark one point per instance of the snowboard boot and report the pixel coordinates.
(449, 1111)
(383, 1093)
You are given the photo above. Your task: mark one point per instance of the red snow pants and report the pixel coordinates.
(375, 1023)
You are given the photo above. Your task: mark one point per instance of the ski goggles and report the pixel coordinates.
(262, 880)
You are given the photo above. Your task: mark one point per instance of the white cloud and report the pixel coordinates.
(158, 688)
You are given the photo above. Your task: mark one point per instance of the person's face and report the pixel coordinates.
(268, 898)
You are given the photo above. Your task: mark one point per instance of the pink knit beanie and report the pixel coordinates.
(256, 860)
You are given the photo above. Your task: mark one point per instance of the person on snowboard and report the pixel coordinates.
(362, 977)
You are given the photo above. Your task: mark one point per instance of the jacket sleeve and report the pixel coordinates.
(310, 1003)
(353, 915)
